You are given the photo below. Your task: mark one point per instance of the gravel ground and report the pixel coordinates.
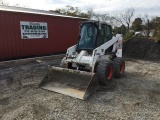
(136, 96)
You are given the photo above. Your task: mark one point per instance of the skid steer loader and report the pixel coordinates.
(94, 60)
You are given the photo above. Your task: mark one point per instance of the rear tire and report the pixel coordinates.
(119, 67)
(105, 72)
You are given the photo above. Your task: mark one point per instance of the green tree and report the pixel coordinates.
(120, 30)
(137, 24)
(71, 11)
(155, 25)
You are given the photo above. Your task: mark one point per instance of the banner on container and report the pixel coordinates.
(31, 30)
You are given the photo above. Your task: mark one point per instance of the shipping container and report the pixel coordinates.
(28, 32)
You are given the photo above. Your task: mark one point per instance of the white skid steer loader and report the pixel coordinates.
(94, 60)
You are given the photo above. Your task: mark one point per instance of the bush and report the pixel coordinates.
(127, 36)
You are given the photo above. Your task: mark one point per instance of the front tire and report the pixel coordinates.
(105, 72)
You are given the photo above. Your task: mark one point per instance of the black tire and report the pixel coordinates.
(105, 72)
(119, 67)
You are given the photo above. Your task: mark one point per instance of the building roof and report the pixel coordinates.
(33, 11)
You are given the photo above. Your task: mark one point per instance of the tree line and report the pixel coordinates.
(125, 23)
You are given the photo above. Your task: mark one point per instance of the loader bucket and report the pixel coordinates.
(74, 83)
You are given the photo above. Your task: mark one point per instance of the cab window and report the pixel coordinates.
(105, 34)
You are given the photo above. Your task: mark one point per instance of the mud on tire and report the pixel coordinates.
(105, 72)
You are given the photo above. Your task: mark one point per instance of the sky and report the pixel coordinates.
(150, 7)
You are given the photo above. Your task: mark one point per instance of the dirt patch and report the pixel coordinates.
(142, 49)
(135, 96)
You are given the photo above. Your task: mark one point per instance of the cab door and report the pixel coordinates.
(105, 34)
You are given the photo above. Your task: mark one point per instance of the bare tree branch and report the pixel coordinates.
(127, 16)
(146, 21)
(90, 13)
(4, 3)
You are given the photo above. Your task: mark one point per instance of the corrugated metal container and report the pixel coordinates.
(62, 33)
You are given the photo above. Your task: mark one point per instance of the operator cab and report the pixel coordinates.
(93, 35)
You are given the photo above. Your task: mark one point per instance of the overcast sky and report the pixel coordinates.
(150, 7)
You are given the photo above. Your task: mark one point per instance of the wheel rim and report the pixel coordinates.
(110, 73)
(122, 68)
